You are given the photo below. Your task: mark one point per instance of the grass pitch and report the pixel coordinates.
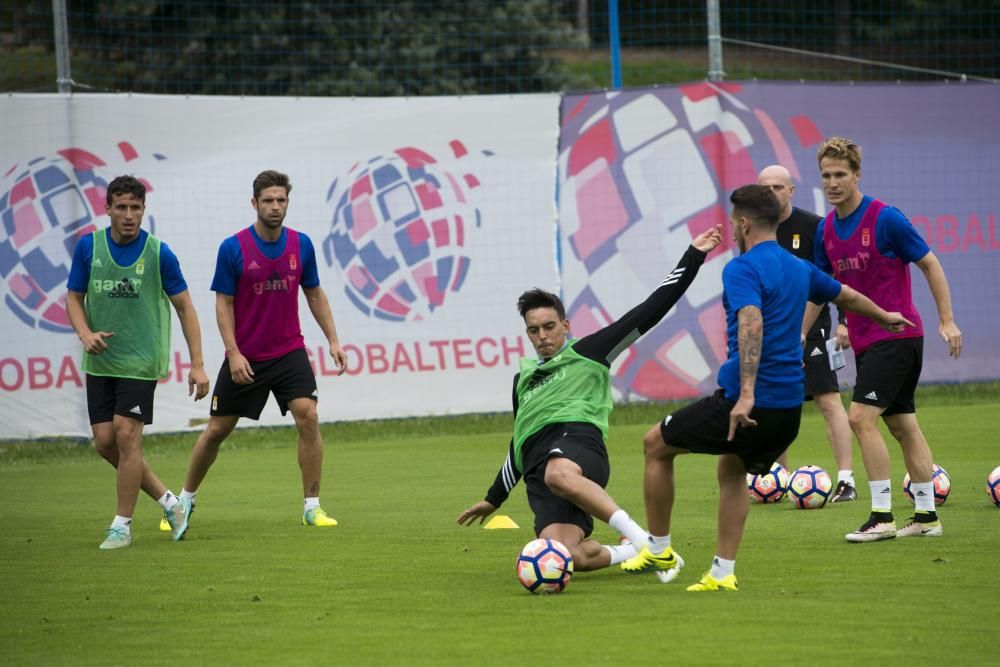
(398, 582)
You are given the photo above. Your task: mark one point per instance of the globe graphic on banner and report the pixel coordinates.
(641, 174)
(400, 228)
(46, 205)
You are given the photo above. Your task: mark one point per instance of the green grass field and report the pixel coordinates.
(398, 582)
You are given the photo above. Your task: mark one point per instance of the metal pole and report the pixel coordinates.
(64, 79)
(715, 72)
(616, 45)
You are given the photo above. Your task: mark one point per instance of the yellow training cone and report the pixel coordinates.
(500, 521)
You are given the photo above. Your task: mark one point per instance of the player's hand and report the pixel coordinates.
(895, 322)
(708, 239)
(93, 343)
(842, 337)
(339, 357)
(197, 378)
(480, 511)
(740, 416)
(953, 336)
(240, 368)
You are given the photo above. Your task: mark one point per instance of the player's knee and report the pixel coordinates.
(861, 421)
(559, 478)
(652, 444)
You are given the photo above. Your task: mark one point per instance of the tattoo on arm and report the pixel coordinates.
(751, 336)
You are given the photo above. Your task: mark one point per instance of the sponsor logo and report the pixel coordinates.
(871, 396)
(816, 352)
(117, 289)
(275, 283)
(136, 410)
(47, 204)
(253, 265)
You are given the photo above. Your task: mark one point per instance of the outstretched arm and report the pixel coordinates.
(607, 343)
(855, 301)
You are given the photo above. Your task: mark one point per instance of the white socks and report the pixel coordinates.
(923, 496)
(881, 495)
(624, 524)
(845, 476)
(122, 522)
(620, 552)
(167, 501)
(311, 503)
(658, 544)
(722, 568)
(188, 495)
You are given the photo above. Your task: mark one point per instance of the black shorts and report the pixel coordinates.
(582, 444)
(288, 377)
(816, 363)
(125, 397)
(703, 427)
(888, 373)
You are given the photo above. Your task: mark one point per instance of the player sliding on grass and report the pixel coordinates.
(755, 415)
(562, 400)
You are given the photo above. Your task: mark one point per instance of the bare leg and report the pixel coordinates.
(310, 444)
(734, 504)
(916, 452)
(587, 554)
(128, 438)
(838, 428)
(104, 443)
(658, 481)
(206, 448)
(565, 479)
(864, 422)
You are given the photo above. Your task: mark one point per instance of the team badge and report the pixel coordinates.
(140, 267)
(866, 237)
(795, 241)
(292, 262)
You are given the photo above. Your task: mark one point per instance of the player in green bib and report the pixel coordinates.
(562, 400)
(121, 285)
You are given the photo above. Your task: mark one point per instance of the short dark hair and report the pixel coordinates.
(758, 203)
(126, 185)
(539, 298)
(269, 179)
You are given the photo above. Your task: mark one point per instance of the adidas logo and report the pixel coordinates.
(667, 420)
(97, 262)
(816, 352)
(136, 410)
(886, 490)
(253, 265)
(871, 396)
(921, 494)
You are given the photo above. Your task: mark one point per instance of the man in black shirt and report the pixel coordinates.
(796, 232)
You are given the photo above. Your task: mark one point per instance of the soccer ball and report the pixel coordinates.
(769, 487)
(942, 485)
(544, 566)
(993, 486)
(810, 487)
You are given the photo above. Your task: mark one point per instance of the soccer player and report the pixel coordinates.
(796, 233)
(562, 400)
(868, 245)
(258, 274)
(755, 414)
(121, 284)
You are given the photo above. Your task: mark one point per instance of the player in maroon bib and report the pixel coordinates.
(869, 246)
(258, 275)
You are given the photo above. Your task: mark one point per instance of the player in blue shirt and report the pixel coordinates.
(755, 414)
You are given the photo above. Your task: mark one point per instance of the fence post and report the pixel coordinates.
(715, 72)
(64, 78)
(616, 46)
